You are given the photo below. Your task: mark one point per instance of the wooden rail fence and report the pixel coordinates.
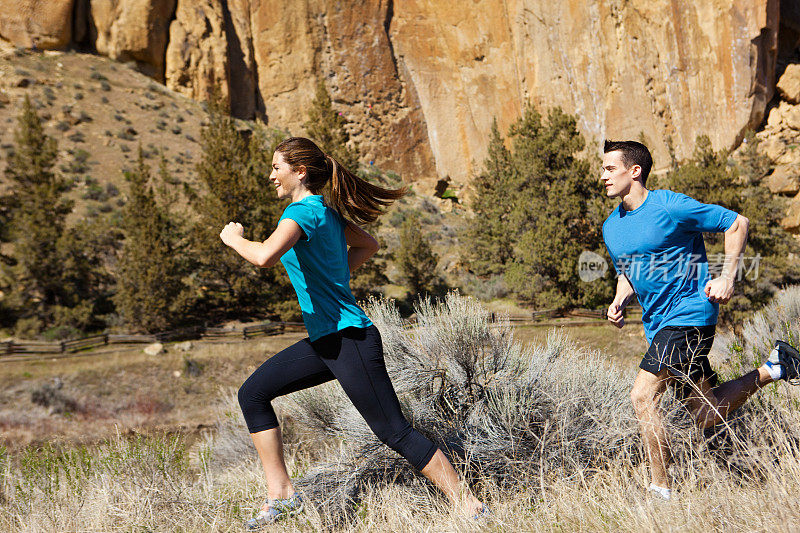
(8, 348)
(193, 333)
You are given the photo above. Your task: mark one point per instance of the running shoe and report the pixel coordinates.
(659, 493)
(789, 358)
(483, 514)
(276, 511)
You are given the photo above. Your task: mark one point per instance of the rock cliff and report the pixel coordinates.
(422, 80)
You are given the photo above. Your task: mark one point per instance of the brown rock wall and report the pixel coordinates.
(658, 68)
(346, 44)
(245, 100)
(44, 24)
(197, 53)
(422, 80)
(133, 30)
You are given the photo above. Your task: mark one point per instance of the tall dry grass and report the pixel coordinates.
(544, 433)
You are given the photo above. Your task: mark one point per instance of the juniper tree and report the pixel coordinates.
(36, 212)
(234, 173)
(415, 259)
(149, 286)
(489, 242)
(559, 210)
(537, 208)
(328, 129)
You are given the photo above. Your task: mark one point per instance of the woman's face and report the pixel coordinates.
(285, 180)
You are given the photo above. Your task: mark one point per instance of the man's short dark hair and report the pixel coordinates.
(633, 153)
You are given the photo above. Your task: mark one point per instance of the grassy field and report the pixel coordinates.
(130, 392)
(124, 392)
(156, 443)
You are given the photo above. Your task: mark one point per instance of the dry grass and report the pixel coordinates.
(160, 483)
(127, 392)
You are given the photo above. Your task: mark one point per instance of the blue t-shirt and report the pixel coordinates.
(318, 269)
(659, 247)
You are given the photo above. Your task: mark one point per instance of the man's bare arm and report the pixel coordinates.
(721, 289)
(624, 294)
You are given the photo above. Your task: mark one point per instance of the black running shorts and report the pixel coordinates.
(683, 350)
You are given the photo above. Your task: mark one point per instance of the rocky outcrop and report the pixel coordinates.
(664, 69)
(789, 84)
(780, 143)
(42, 24)
(197, 53)
(346, 44)
(245, 98)
(422, 80)
(133, 30)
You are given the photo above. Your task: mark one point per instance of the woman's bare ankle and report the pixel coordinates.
(280, 492)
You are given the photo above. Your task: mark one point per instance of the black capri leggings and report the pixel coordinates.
(354, 356)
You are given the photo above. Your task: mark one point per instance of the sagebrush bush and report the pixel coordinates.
(545, 433)
(509, 416)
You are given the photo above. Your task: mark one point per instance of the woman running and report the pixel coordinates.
(312, 240)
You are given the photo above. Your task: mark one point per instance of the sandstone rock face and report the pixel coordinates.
(245, 99)
(784, 180)
(376, 89)
(422, 80)
(347, 45)
(197, 53)
(789, 84)
(43, 24)
(662, 68)
(133, 30)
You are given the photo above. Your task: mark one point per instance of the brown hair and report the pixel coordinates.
(353, 197)
(633, 153)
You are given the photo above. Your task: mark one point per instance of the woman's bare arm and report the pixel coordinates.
(362, 245)
(267, 253)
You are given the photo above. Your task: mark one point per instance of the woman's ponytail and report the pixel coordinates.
(358, 199)
(353, 197)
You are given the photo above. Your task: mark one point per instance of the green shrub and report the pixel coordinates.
(537, 208)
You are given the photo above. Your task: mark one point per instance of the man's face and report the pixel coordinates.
(616, 178)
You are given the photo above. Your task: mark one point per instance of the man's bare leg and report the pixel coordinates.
(646, 396)
(710, 406)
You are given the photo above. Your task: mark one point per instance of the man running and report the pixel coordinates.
(655, 239)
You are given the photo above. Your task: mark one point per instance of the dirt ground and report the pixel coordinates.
(104, 392)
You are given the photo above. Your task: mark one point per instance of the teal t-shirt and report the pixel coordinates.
(318, 269)
(659, 247)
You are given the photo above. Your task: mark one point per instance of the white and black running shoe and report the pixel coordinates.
(788, 358)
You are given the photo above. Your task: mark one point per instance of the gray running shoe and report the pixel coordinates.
(483, 514)
(789, 358)
(277, 510)
(659, 493)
